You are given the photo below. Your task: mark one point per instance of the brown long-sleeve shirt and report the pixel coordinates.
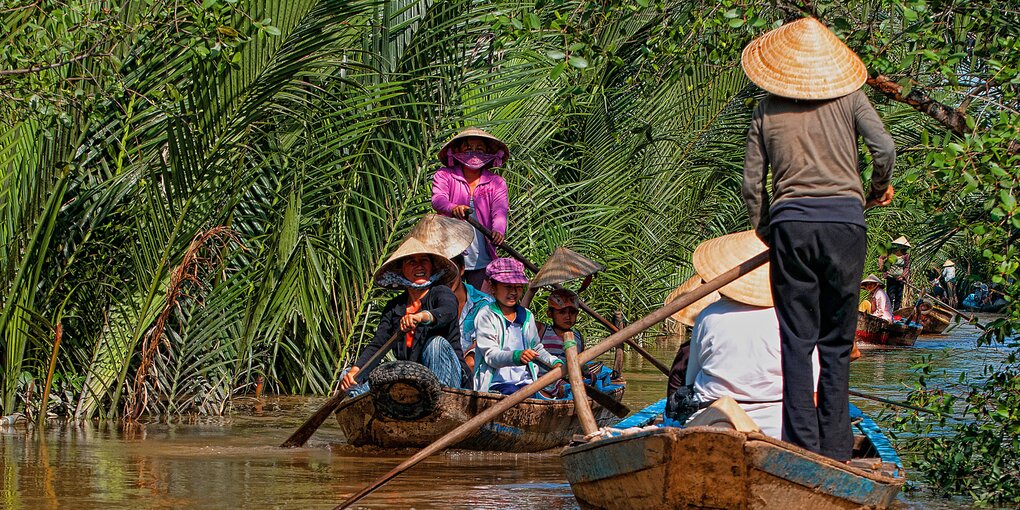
(812, 149)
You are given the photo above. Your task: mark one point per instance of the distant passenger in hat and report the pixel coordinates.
(805, 131)
(735, 345)
(467, 182)
(425, 312)
(877, 303)
(563, 307)
(948, 280)
(895, 267)
(506, 338)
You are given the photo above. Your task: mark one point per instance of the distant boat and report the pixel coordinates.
(658, 467)
(878, 331)
(934, 319)
(531, 426)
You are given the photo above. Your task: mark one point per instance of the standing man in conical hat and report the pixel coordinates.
(466, 183)
(895, 266)
(806, 131)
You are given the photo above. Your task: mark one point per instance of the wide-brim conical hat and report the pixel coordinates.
(872, 279)
(687, 315)
(803, 60)
(948, 263)
(716, 256)
(413, 246)
(902, 241)
(473, 133)
(449, 236)
(564, 265)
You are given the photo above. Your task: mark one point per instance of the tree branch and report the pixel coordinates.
(953, 119)
(43, 67)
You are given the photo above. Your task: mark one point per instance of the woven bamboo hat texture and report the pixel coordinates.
(473, 132)
(948, 262)
(803, 60)
(901, 241)
(687, 315)
(872, 279)
(414, 246)
(448, 235)
(716, 256)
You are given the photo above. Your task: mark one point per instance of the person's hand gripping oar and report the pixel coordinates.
(305, 431)
(469, 427)
(584, 306)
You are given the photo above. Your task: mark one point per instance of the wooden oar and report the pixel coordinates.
(891, 402)
(972, 319)
(305, 431)
(578, 387)
(611, 404)
(584, 306)
(472, 425)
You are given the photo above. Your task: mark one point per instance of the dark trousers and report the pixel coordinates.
(816, 272)
(894, 288)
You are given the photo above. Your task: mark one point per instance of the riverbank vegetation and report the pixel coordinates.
(195, 194)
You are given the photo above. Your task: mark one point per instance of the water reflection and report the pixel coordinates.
(234, 463)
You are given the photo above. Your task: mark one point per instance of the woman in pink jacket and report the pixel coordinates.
(466, 182)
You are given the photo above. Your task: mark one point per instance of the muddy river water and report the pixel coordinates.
(234, 462)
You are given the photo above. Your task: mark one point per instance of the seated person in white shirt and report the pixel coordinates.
(735, 346)
(877, 302)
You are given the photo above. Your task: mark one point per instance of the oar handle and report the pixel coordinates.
(891, 402)
(584, 306)
(385, 348)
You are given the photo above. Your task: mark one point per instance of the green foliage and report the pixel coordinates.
(970, 446)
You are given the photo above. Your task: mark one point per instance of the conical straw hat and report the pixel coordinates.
(449, 236)
(716, 256)
(687, 315)
(412, 246)
(902, 241)
(872, 279)
(948, 263)
(472, 132)
(564, 265)
(803, 60)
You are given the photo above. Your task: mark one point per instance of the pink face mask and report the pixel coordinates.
(474, 160)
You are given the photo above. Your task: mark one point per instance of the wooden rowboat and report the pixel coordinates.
(660, 467)
(534, 425)
(934, 319)
(877, 331)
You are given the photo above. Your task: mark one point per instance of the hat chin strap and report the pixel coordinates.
(391, 279)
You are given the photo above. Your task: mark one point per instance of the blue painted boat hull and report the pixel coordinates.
(711, 467)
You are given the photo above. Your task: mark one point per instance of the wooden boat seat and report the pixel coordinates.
(727, 413)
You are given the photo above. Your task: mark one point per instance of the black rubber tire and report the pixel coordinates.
(404, 390)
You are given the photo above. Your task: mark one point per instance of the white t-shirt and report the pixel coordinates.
(735, 352)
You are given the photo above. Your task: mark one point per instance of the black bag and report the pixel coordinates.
(681, 405)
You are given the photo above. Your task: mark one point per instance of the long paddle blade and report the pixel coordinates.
(305, 431)
(472, 425)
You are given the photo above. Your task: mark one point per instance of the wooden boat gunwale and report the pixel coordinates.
(769, 468)
(519, 429)
(878, 331)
